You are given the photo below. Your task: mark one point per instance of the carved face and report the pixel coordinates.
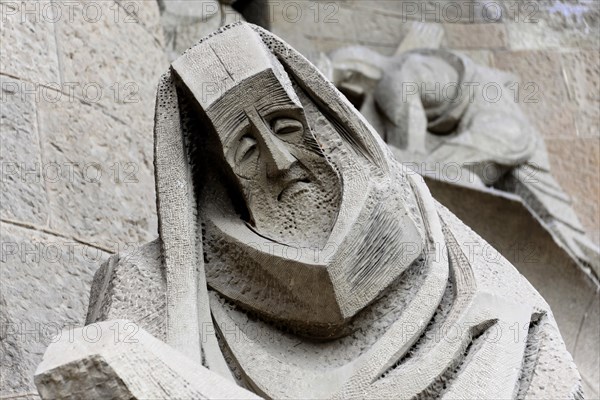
(292, 193)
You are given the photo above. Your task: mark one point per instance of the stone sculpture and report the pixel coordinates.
(298, 259)
(438, 110)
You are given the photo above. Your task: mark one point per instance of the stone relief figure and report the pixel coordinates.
(438, 108)
(297, 259)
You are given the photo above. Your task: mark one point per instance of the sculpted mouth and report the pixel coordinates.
(289, 186)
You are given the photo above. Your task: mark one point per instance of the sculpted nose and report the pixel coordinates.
(277, 158)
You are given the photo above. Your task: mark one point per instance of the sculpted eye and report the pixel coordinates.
(287, 126)
(245, 150)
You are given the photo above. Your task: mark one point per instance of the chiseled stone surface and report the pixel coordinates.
(55, 135)
(22, 193)
(113, 63)
(126, 363)
(582, 78)
(105, 192)
(519, 237)
(575, 164)
(476, 36)
(185, 22)
(374, 287)
(148, 17)
(45, 282)
(553, 24)
(543, 95)
(561, 109)
(27, 29)
(14, 376)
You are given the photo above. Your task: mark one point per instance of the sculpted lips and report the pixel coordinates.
(292, 186)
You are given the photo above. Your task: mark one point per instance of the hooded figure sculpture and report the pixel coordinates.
(435, 109)
(297, 259)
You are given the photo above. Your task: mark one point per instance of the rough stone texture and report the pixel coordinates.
(186, 22)
(106, 69)
(148, 17)
(126, 362)
(537, 35)
(47, 127)
(476, 36)
(557, 117)
(43, 280)
(553, 24)
(104, 194)
(575, 165)
(31, 36)
(542, 94)
(380, 310)
(581, 73)
(326, 26)
(519, 237)
(22, 187)
(15, 374)
(37, 45)
(563, 36)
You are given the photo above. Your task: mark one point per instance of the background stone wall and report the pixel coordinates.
(77, 81)
(552, 45)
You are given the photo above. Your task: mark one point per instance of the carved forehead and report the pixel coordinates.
(234, 58)
(262, 92)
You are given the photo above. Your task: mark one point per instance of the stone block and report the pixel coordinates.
(575, 166)
(22, 192)
(587, 351)
(126, 362)
(146, 13)
(376, 28)
(542, 91)
(102, 188)
(476, 36)
(553, 24)
(111, 60)
(478, 11)
(323, 27)
(582, 79)
(481, 57)
(45, 281)
(27, 30)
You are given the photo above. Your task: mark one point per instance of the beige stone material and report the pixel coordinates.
(98, 169)
(126, 92)
(361, 307)
(22, 182)
(53, 209)
(44, 281)
(475, 36)
(526, 243)
(118, 360)
(28, 29)
(435, 109)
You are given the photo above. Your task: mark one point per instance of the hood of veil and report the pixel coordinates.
(189, 323)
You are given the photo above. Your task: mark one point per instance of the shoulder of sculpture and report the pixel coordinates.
(130, 286)
(493, 273)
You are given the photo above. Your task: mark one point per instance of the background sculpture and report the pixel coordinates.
(433, 108)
